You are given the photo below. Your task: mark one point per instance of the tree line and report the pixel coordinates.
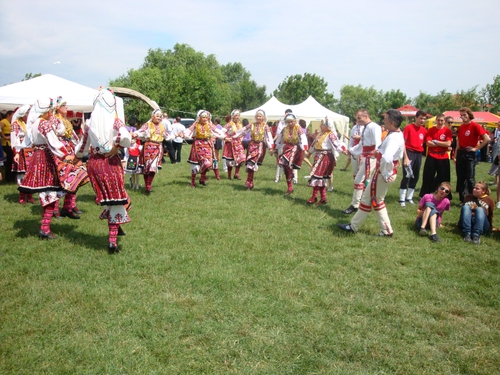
(182, 81)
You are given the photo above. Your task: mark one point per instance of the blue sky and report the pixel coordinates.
(426, 45)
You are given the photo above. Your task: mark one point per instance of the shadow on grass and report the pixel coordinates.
(12, 198)
(68, 230)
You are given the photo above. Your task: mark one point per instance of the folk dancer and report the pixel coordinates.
(41, 176)
(152, 133)
(364, 152)
(389, 153)
(201, 156)
(233, 153)
(102, 139)
(325, 148)
(22, 153)
(260, 138)
(293, 142)
(71, 175)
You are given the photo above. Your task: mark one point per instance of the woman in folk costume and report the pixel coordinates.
(201, 156)
(152, 133)
(260, 137)
(22, 154)
(41, 176)
(105, 135)
(234, 152)
(325, 148)
(293, 140)
(71, 175)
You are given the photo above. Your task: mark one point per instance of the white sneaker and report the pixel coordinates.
(277, 180)
(410, 201)
(295, 182)
(402, 203)
(498, 205)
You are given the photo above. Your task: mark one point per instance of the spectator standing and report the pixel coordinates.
(7, 150)
(468, 142)
(437, 163)
(167, 143)
(414, 135)
(178, 130)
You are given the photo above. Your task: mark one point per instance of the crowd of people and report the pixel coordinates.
(43, 151)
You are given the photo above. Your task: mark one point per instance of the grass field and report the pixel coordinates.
(221, 280)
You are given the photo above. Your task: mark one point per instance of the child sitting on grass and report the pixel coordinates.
(430, 211)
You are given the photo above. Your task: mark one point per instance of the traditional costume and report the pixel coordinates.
(201, 156)
(234, 152)
(41, 176)
(364, 151)
(152, 134)
(325, 148)
(101, 139)
(260, 138)
(389, 153)
(22, 153)
(293, 141)
(71, 175)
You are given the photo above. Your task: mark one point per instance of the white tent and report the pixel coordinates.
(309, 110)
(274, 109)
(78, 97)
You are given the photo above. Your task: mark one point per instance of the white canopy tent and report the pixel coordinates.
(78, 97)
(274, 109)
(309, 110)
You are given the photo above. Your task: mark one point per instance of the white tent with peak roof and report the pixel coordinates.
(78, 97)
(309, 110)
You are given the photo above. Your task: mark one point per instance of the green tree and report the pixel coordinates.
(353, 98)
(183, 81)
(490, 96)
(295, 89)
(394, 99)
(30, 75)
(245, 93)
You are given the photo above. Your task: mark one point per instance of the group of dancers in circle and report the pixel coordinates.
(48, 156)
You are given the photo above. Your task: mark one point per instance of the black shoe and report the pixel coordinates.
(76, 210)
(46, 235)
(435, 238)
(467, 238)
(476, 240)
(382, 234)
(346, 227)
(112, 248)
(70, 214)
(56, 215)
(349, 210)
(203, 183)
(147, 192)
(120, 231)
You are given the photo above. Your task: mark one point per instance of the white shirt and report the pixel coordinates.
(392, 149)
(177, 128)
(371, 136)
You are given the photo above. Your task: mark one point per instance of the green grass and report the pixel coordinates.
(220, 280)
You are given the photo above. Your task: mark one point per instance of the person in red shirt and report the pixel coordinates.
(437, 163)
(414, 135)
(469, 135)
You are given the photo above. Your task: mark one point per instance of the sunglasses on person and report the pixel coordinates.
(442, 188)
(449, 122)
